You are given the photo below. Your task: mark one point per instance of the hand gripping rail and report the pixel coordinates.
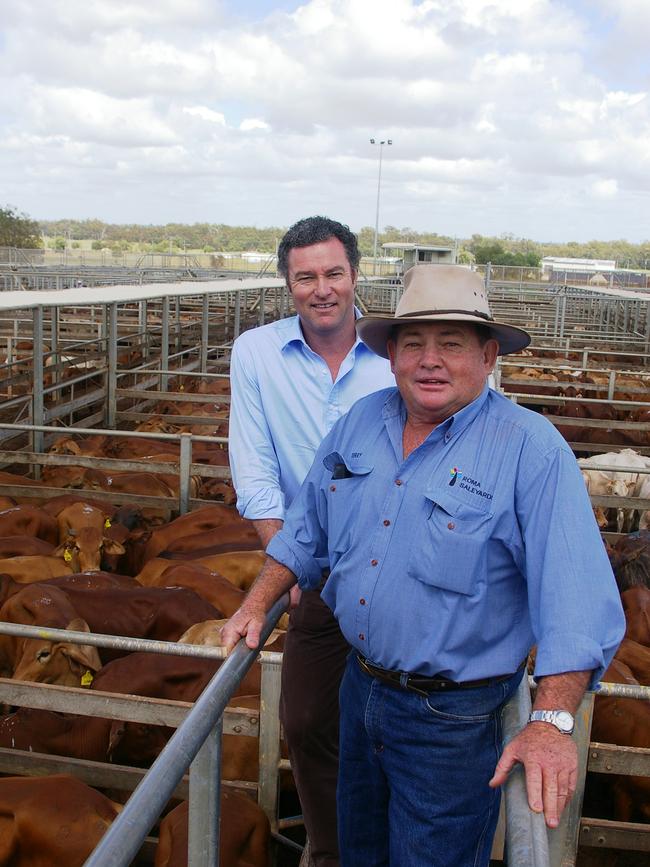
(201, 728)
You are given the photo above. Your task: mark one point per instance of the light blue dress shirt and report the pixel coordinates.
(283, 404)
(458, 559)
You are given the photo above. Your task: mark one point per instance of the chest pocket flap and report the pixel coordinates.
(345, 490)
(450, 551)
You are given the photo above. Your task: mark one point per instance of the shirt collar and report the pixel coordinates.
(453, 425)
(293, 334)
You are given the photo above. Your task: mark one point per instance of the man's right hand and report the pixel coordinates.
(246, 622)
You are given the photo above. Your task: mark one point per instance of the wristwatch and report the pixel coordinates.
(561, 719)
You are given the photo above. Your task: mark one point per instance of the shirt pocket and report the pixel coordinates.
(450, 552)
(345, 491)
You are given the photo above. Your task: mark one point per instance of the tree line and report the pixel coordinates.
(18, 230)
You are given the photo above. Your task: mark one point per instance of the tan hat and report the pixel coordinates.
(440, 293)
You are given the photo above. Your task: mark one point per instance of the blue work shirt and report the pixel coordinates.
(458, 559)
(283, 404)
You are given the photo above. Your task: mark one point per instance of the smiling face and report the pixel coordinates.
(322, 282)
(439, 368)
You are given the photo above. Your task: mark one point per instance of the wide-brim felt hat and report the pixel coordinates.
(440, 293)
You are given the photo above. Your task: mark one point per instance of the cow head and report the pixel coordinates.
(83, 549)
(59, 662)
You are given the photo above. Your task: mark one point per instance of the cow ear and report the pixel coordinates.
(60, 551)
(111, 546)
(78, 625)
(116, 734)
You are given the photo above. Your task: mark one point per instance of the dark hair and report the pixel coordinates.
(315, 230)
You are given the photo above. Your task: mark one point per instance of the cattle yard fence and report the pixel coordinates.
(196, 743)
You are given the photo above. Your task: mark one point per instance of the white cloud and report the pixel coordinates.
(498, 109)
(607, 188)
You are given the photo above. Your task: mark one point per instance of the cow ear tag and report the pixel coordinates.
(67, 556)
(87, 678)
(107, 524)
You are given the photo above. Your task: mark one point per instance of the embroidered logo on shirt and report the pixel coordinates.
(356, 454)
(455, 474)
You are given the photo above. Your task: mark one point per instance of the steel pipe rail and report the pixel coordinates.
(526, 838)
(124, 838)
(131, 645)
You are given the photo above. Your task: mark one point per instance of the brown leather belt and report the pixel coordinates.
(423, 685)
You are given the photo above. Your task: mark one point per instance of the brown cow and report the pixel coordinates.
(39, 659)
(204, 520)
(26, 520)
(161, 614)
(637, 658)
(209, 585)
(35, 568)
(243, 841)
(625, 722)
(636, 604)
(24, 546)
(52, 821)
(83, 539)
(234, 532)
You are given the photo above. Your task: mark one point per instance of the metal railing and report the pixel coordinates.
(196, 742)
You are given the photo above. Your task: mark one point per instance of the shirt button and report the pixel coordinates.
(332, 487)
(451, 526)
(362, 636)
(386, 523)
(447, 437)
(362, 601)
(374, 562)
(398, 482)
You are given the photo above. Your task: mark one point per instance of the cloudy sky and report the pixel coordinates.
(523, 116)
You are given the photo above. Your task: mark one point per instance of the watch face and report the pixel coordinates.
(564, 721)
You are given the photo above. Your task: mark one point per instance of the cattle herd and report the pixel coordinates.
(75, 561)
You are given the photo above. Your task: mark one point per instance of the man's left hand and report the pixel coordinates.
(550, 760)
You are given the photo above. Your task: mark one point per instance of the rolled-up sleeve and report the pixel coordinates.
(575, 608)
(301, 544)
(253, 461)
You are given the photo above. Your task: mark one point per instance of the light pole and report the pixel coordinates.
(381, 149)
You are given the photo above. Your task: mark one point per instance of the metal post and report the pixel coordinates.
(237, 323)
(562, 315)
(185, 461)
(205, 331)
(37, 391)
(269, 749)
(111, 401)
(261, 309)
(164, 349)
(526, 839)
(381, 150)
(563, 841)
(54, 343)
(611, 385)
(488, 276)
(205, 802)
(178, 343)
(142, 324)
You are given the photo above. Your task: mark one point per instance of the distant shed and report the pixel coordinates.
(420, 254)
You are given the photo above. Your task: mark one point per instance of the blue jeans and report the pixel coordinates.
(413, 773)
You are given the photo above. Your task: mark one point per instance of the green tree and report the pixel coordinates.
(17, 230)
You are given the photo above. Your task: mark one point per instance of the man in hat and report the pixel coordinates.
(459, 533)
(291, 381)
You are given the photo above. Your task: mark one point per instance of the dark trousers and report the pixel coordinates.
(312, 668)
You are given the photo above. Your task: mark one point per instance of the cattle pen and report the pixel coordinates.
(103, 361)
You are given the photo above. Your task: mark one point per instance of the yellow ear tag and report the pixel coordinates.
(67, 556)
(107, 524)
(87, 678)
(182, 387)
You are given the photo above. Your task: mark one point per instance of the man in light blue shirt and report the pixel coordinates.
(291, 381)
(459, 533)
